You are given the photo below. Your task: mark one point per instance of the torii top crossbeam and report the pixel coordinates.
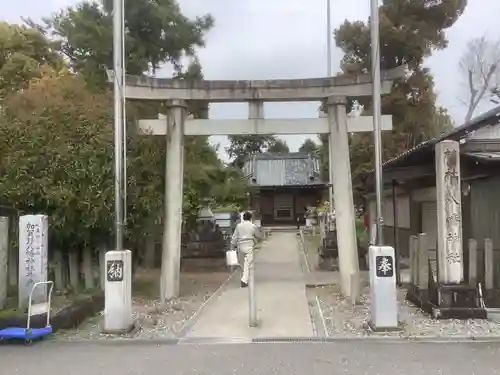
(311, 89)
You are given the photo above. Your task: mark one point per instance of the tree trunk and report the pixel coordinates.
(4, 257)
(74, 270)
(88, 275)
(102, 266)
(13, 266)
(59, 270)
(150, 252)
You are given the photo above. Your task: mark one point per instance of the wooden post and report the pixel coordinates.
(396, 239)
(488, 264)
(473, 262)
(413, 263)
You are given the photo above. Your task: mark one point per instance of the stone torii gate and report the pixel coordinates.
(334, 91)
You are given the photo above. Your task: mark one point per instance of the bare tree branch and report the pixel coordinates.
(480, 65)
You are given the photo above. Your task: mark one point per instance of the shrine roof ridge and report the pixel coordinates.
(285, 155)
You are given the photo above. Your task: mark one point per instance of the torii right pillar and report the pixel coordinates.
(344, 203)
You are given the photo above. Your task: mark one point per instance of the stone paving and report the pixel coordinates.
(282, 306)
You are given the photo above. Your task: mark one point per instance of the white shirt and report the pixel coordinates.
(244, 235)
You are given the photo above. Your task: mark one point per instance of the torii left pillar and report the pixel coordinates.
(340, 170)
(172, 222)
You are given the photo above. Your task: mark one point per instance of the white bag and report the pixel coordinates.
(231, 258)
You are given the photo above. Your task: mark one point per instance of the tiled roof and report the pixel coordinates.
(492, 156)
(290, 169)
(460, 132)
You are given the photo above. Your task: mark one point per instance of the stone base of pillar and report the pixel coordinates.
(135, 326)
(442, 301)
(369, 326)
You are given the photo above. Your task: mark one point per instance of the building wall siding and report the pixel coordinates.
(488, 132)
(485, 210)
(403, 211)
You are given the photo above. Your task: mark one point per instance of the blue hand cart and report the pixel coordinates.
(28, 334)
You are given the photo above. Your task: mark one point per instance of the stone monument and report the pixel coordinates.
(439, 289)
(118, 292)
(383, 294)
(33, 257)
(449, 211)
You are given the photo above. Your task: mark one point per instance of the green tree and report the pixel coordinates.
(278, 146)
(202, 169)
(241, 147)
(156, 32)
(308, 146)
(409, 32)
(57, 158)
(230, 188)
(23, 53)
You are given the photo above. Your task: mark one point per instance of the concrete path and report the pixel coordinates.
(282, 307)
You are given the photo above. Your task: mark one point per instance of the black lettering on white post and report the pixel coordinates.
(384, 266)
(114, 270)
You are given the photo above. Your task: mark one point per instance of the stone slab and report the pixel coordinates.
(282, 305)
(383, 294)
(262, 126)
(310, 89)
(118, 292)
(449, 212)
(33, 257)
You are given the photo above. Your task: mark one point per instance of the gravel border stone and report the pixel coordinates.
(156, 321)
(343, 320)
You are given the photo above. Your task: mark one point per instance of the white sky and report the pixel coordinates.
(264, 39)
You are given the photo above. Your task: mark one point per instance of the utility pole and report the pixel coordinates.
(377, 113)
(329, 74)
(118, 109)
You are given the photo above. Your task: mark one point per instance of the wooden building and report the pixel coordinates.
(284, 185)
(410, 202)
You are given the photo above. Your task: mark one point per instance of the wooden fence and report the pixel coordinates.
(481, 262)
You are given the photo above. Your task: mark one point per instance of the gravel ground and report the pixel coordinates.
(344, 320)
(154, 319)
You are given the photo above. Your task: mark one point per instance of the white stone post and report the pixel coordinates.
(118, 292)
(489, 263)
(423, 262)
(4, 257)
(171, 254)
(449, 213)
(344, 203)
(383, 301)
(33, 244)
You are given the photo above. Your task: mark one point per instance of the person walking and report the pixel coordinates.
(245, 236)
